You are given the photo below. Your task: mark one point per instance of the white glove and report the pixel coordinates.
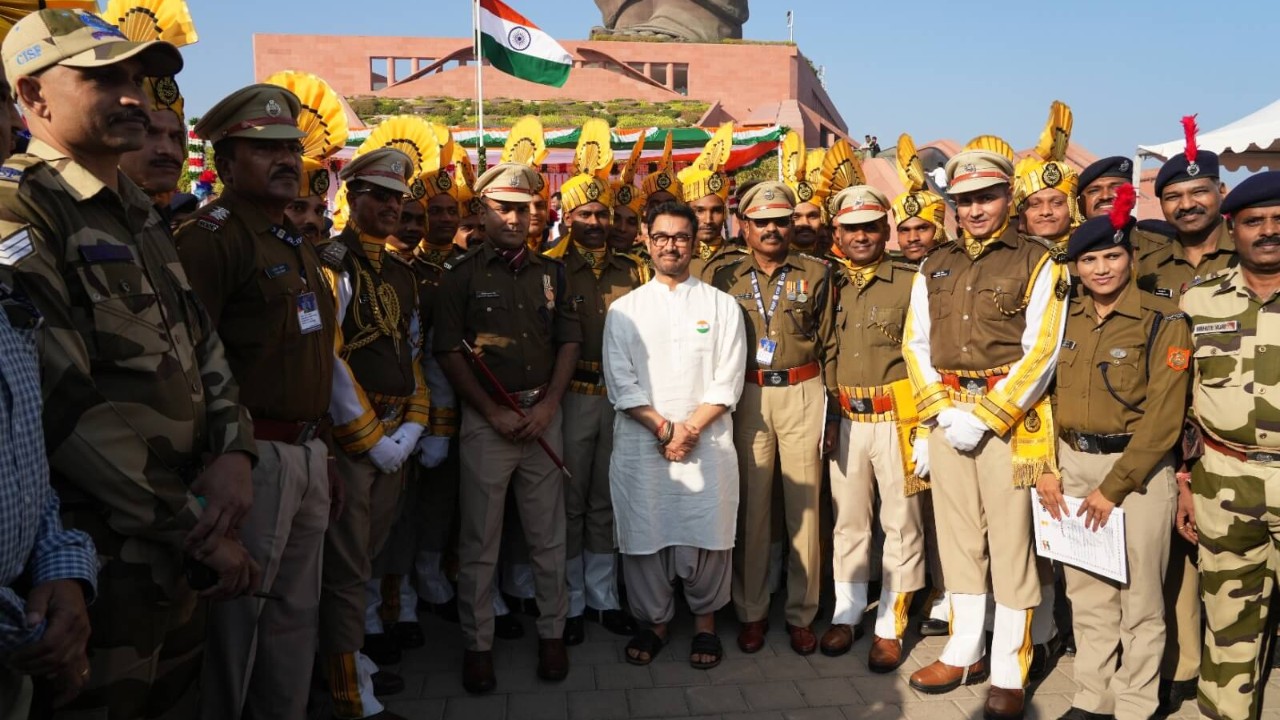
(964, 429)
(432, 450)
(406, 438)
(386, 455)
(920, 456)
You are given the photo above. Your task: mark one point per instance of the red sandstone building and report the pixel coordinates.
(749, 84)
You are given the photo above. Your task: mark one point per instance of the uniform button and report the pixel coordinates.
(528, 367)
(773, 333)
(857, 354)
(488, 309)
(964, 348)
(95, 296)
(1262, 391)
(1262, 348)
(966, 317)
(524, 335)
(858, 325)
(968, 288)
(519, 307)
(195, 387)
(125, 286)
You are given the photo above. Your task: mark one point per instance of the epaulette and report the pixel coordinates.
(1158, 227)
(1056, 252)
(333, 254)
(17, 166)
(1177, 316)
(1164, 306)
(213, 218)
(397, 258)
(552, 260)
(815, 258)
(457, 260)
(906, 266)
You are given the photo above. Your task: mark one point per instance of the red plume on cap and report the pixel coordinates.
(1126, 200)
(1190, 129)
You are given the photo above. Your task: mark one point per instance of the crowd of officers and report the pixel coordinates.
(277, 439)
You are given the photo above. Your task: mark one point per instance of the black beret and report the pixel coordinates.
(1256, 191)
(1096, 234)
(1117, 166)
(1177, 169)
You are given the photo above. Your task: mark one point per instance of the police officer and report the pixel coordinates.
(263, 289)
(704, 186)
(981, 339)
(379, 408)
(1232, 400)
(309, 211)
(876, 419)
(597, 275)
(1097, 193)
(1120, 399)
(136, 384)
(513, 307)
(788, 301)
(157, 165)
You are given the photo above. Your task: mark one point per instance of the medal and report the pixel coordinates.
(791, 291)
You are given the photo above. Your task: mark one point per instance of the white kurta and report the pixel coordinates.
(674, 349)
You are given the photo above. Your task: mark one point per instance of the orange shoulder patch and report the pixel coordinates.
(1179, 359)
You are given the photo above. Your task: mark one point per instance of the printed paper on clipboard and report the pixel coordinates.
(1100, 551)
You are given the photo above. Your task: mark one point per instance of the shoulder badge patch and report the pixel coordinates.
(333, 254)
(10, 174)
(1178, 358)
(16, 247)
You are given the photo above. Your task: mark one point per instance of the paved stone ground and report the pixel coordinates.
(770, 685)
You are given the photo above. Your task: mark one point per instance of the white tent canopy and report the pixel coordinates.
(1252, 142)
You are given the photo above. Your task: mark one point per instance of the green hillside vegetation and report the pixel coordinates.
(498, 112)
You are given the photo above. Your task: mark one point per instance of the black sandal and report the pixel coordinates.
(706, 644)
(646, 641)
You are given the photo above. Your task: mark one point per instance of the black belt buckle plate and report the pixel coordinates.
(1262, 457)
(860, 405)
(308, 432)
(973, 386)
(776, 378)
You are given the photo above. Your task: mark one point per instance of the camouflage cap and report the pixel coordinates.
(256, 112)
(508, 182)
(860, 204)
(769, 199)
(385, 167)
(79, 39)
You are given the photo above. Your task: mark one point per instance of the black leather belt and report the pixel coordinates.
(1096, 444)
(590, 377)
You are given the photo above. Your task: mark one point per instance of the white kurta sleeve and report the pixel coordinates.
(730, 370)
(619, 366)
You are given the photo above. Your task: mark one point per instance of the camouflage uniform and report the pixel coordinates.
(1235, 484)
(136, 389)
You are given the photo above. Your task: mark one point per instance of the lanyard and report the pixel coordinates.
(777, 293)
(295, 243)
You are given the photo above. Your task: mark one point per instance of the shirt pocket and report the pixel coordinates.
(488, 315)
(1127, 373)
(280, 303)
(886, 325)
(940, 300)
(1218, 362)
(127, 321)
(1068, 369)
(1000, 298)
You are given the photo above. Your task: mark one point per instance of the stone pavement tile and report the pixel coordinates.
(820, 713)
(657, 702)
(1040, 705)
(844, 666)
(715, 699)
(827, 691)
(622, 676)
(597, 653)
(736, 671)
(787, 667)
(445, 684)
(935, 710)
(885, 690)
(877, 711)
(598, 705)
(488, 707)
(537, 706)
(971, 707)
(417, 709)
(580, 678)
(670, 672)
(775, 695)
(762, 715)
(1058, 683)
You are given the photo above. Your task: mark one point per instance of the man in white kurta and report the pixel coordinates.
(674, 364)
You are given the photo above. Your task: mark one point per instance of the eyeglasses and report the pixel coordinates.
(380, 194)
(662, 240)
(762, 223)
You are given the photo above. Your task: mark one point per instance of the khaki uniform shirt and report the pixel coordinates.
(591, 297)
(1101, 364)
(1163, 270)
(803, 324)
(1236, 338)
(251, 274)
(136, 382)
(515, 319)
(869, 324)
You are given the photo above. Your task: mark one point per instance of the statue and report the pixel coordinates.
(679, 20)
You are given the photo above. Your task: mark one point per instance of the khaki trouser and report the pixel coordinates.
(868, 461)
(1115, 622)
(983, 522)
(1182, 611)
(259, 654)
(405, 539)
(771, 426)
(489, 464)
(373, 501)
(588, 443)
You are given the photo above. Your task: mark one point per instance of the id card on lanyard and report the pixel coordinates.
(309, 319)
(767, 347)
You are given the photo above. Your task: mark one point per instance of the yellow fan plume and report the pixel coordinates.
(525, 144)
(146, 20)
(409, 134)
(594, 155)
(464, 173)
(666, 151)
(841, 168)
(323, 118)
(991, 143)
(11, 11)
(793, 158)
(813, 166)
(444, 137)
(1057, 133)
(628, 174)
(716, 153)
(910, 169)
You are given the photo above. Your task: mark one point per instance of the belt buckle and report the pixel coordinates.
(774, 377)
(1262, 457)
(973, 386)
(859, 405)
(308, 432)
(390, 413)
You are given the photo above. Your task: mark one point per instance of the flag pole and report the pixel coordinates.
(475, 25)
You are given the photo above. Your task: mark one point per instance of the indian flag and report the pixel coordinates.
(518, 47)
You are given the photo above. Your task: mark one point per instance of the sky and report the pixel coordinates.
(1130, 69)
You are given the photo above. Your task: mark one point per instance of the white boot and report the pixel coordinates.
(518, 581)
(968, 623)
(408, 601)
(851, 603)
(1010, 648)
(940, 608)
(602, 581)
(891, 614)
(373, 623)
(365, 668)
(575, 578)
(433, 586)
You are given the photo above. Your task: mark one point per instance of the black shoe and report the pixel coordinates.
(1041, 657)
(1076, 713)
(508, 627)
(575, 630)
(1175, 692)
(447, 611)
(617, 622)
(382, 649)
(387, 683)
(934, 628)
(528, 606)
(1069, 645)
(408, 635)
